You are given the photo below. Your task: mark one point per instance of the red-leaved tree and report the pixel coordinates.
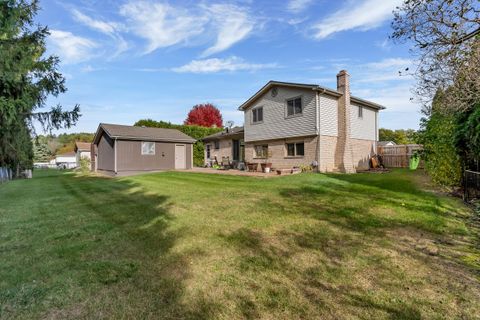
(205, 115)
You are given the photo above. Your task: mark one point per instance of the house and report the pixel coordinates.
(386, 143)
(121, 150)
(228, 143)
(66, 160)
(82, 150)
(293, 124)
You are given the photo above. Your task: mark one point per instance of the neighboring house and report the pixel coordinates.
(291, 124)
(82, 150)
(228, 143)
(118, 149)
(66, 160)
(386, 143)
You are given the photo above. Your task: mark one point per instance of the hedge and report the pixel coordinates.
(195, 132)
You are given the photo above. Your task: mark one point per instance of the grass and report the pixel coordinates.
(185, 245)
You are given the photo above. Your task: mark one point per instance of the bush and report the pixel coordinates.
(195, 132)
(442, 161)
(84, 164)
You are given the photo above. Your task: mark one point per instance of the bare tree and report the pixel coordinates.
(446, 37)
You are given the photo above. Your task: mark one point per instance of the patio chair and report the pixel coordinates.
(226, 163)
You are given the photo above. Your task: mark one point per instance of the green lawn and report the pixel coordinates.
(184, 245)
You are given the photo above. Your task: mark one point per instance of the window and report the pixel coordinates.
(257, 115)
(217, 145)
(295, 149)
(294, 107)
(148, 148)
(208, 151)
(261, 151)
(360, 112)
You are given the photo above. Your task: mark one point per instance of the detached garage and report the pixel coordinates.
(122, 150)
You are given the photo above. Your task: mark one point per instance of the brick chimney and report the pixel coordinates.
(344, 148)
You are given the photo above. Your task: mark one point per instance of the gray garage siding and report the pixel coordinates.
(130, 158)
(105, 154)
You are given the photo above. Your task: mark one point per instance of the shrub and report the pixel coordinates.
(84, 164)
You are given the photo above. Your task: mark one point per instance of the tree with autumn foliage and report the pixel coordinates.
(205, 115)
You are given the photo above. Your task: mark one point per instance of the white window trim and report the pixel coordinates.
(150, 149)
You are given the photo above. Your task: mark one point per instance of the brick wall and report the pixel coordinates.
(362, 150)
(225, 150)
(278, 154)
(329, 158)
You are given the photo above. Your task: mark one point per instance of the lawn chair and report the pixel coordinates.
(226, 163)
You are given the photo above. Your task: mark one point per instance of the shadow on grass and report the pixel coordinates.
(118, 253)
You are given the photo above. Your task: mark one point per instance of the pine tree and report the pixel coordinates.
(27, 78)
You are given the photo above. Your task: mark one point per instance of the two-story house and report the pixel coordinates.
(298, 124)
(292, 124)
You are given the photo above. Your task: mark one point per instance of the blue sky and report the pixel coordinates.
(127, 60)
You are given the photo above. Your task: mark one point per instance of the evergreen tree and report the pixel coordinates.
(27, 78)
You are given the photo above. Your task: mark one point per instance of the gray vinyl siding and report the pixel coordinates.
(328, 116)
(130, 158)
(276, 124)
(363, 128)
(105, 154)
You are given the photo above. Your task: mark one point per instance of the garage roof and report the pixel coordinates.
(116, 131)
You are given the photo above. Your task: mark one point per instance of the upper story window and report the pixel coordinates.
(294, 107)
(360, 112)
(217, 144)
(257, 115)
(148, 148)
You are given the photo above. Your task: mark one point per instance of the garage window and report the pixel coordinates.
(148, 148)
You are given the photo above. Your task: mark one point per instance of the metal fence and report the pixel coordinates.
(471, 188)
(398, 156)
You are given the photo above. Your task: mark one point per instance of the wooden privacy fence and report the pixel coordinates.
(398, 156)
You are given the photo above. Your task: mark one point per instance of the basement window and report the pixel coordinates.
(261, 151)
(148, 148)
(295, 149)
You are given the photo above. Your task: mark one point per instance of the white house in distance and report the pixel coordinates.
(66, 160)
(82, 150)
(386, 143)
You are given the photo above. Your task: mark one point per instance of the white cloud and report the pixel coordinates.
(362, 15)
(233, 24)
(297, 6)
(161, 24)
(102, 26)
(217, 65)
(71, 48)
(109, 28)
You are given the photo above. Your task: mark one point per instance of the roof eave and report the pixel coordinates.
(152, 139)
(367, 103)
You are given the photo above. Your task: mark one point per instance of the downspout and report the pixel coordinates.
(317, 129)
(115, 155)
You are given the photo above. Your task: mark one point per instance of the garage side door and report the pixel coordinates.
(180, 156)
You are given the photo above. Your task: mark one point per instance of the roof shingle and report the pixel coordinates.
(145, 133)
